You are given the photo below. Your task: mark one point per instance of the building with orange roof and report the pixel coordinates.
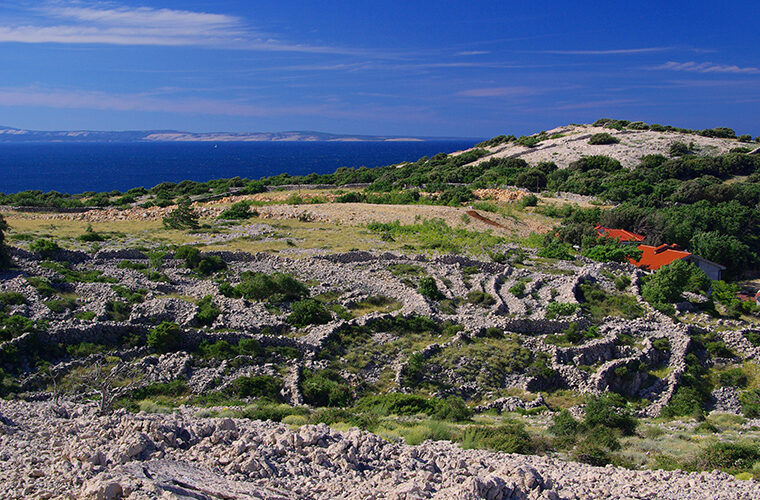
(621, 235)
(653, 258)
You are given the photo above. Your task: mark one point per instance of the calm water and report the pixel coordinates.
(74, 168)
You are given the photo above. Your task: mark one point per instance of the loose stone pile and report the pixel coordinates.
(184, 457)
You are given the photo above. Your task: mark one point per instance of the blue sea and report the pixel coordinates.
(77, 167)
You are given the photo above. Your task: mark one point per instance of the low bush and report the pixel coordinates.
(165, 337)
(429, 289)
(609, 411)
(275, 287)
(240, 210)
(12, 299)
(750, 401)
(325, 388)
(728, 456)
(603, 138)
(308, 312)
(478, 297)
(509, 437)
(207, 311)
(733, 377)
(556, 309)
(259, 386)
(45, 248)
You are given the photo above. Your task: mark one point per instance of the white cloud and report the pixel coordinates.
(604, 52)
(113, 24)
(473, 52)
(500, 91)
(708, 67)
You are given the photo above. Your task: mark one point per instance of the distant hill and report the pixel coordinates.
(10, 134)
(564, 145)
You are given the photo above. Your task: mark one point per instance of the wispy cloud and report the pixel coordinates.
(604, 52)
(707, 67)
(473, 52)
(114, 24)
(501, 91)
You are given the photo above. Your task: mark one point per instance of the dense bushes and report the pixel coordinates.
(202, 264)
(666, 285)
(606, 418)
(275, 287)
(612, 251)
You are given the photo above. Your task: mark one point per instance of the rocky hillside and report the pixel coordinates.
(182, 456)
(564, 145)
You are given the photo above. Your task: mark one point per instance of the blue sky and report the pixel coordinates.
(475, 68)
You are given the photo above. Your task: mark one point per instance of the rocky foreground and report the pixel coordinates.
(60, 451)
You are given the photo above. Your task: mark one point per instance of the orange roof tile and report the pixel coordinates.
(653, 258)
(618, 234)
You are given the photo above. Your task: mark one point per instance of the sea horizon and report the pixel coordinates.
(108, 166)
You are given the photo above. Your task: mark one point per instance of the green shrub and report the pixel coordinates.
(207, 311)
(609, 411)
(221, 349)
(478, 297)
(128, 264)
(117, 310)
(308, 312)
(564, 425)
(508, 437)
(529, 201)
(622, 282)
(183, 217)
(276, 287)
(612, 251)
(396, 404)
(661, 344)
(728, 456)
(61, 305)
(451, 408)
(325, 388)
(259, 386)
(732, 377)
(84, 349)
(90, 235)
(750, 401)
(429, 289)
(557, 309)
(603, 138)
(555, 249)
(45, 248)
(12, 299)
(668, 283)
(175, 388)
(132, 297)
(518, 289)
(239, 210)
(85, 315)
(686, 401)
(679, 149)
(165, 337)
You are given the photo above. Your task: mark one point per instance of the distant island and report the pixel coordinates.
(10, 134)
